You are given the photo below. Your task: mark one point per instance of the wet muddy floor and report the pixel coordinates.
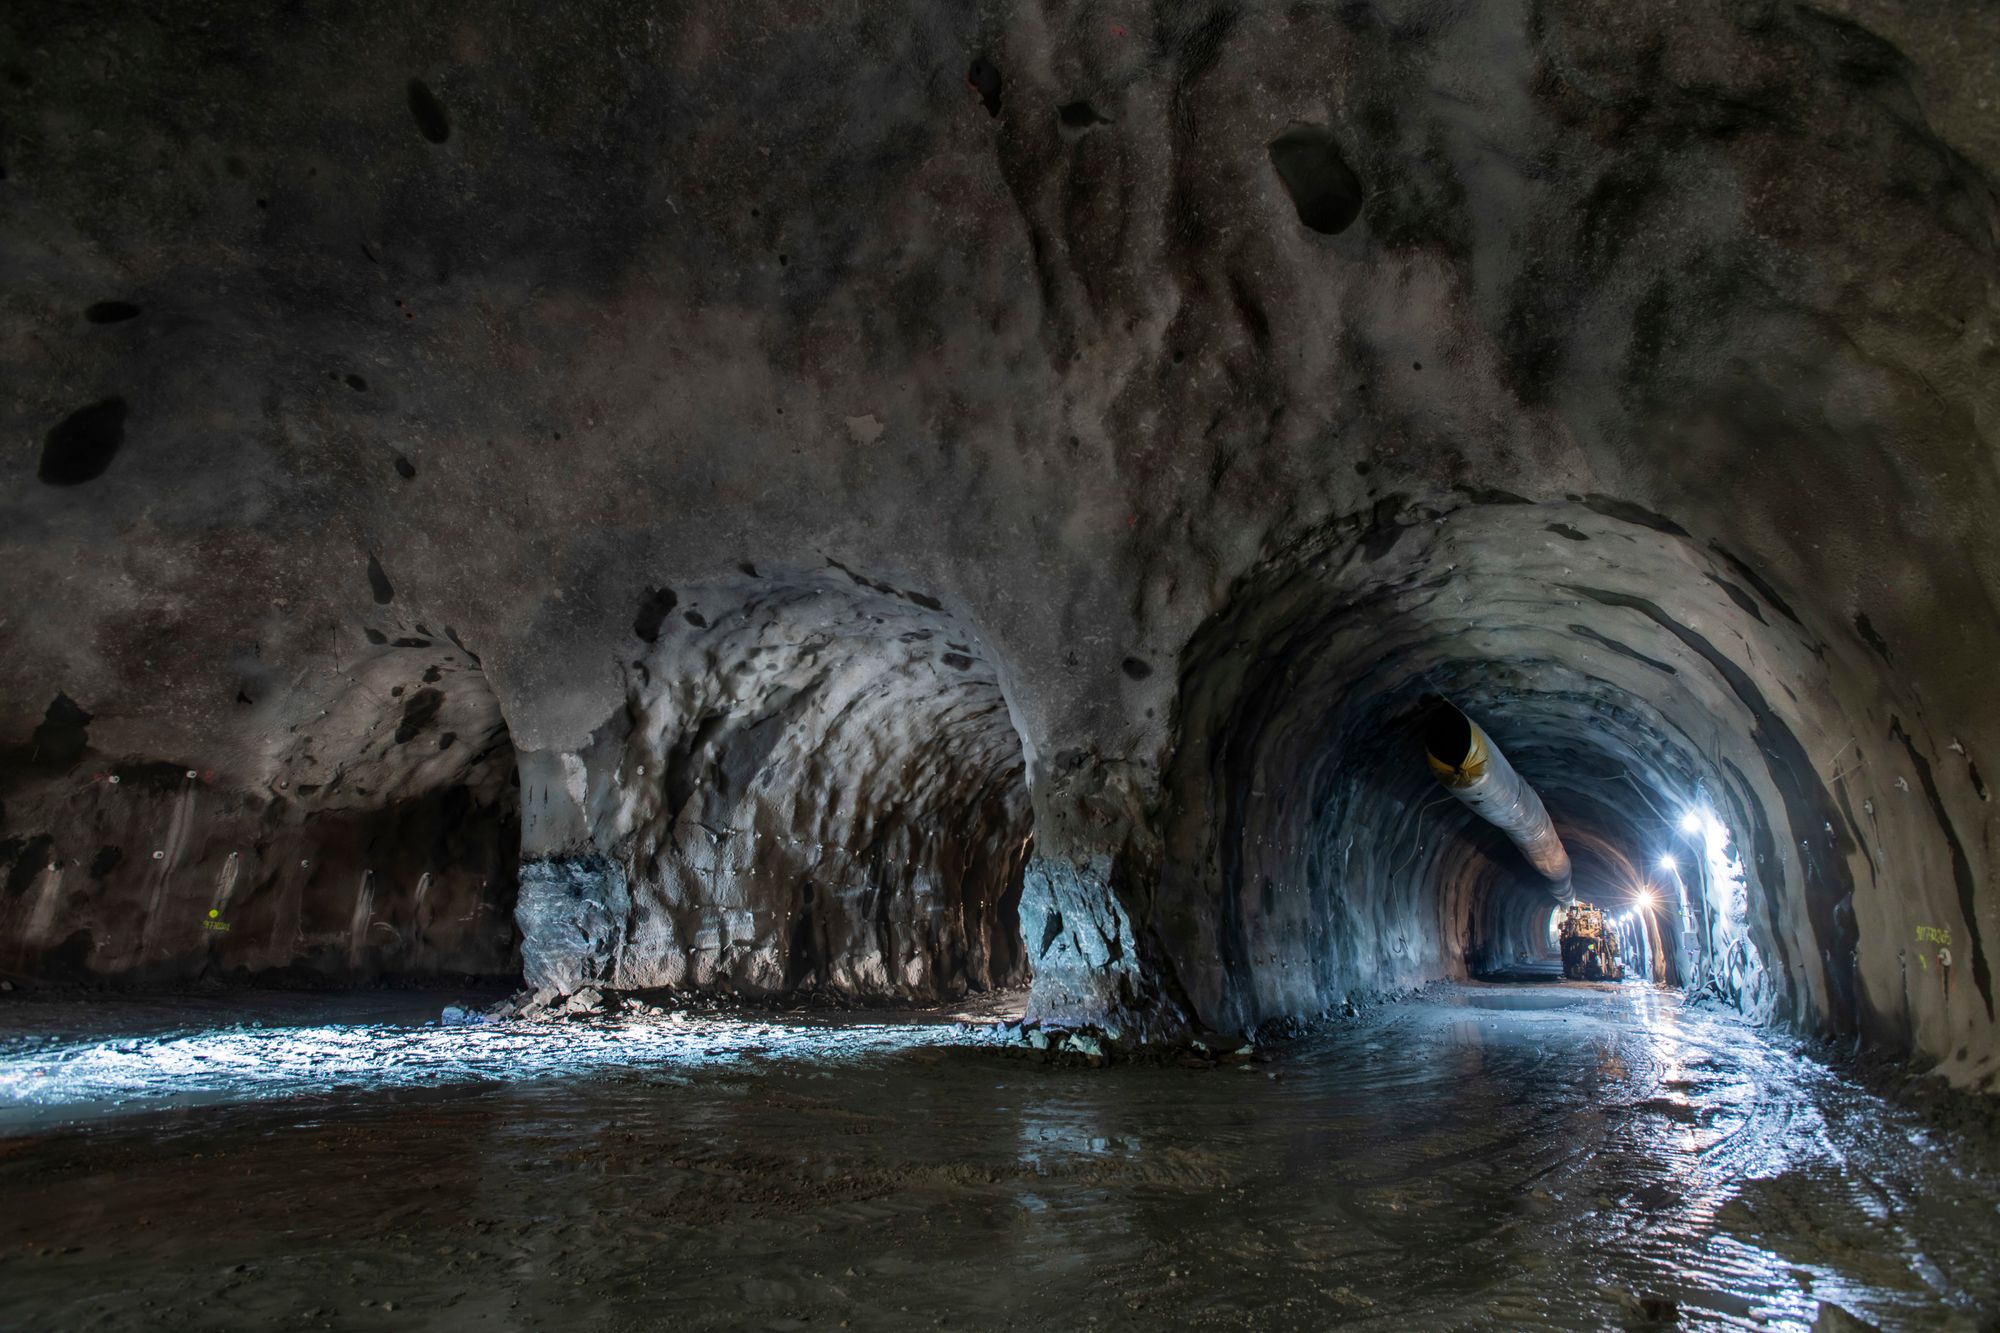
(1488, 1156)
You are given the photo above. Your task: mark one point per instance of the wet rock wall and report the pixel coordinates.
(814, 785)
(378, 837)
(1298, 798)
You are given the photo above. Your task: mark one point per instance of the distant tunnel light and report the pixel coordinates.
(1690, 822)
(1668, 863)
(1644, 898)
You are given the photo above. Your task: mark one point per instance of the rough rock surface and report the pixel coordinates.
(1222, 376)
(379, 837)
(813, 783)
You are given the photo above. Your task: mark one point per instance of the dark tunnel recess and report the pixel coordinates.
(375, 836)
(1323, 188)
(1698, 757)
(815, 787)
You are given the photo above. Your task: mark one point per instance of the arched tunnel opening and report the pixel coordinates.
(407, 796)
(1303, 804)
(1005, 666)
(814, 787)
(372, 835)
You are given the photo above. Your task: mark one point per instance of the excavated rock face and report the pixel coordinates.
(378, 836)
(1224, 377)
(813, 784)
(1340, 864)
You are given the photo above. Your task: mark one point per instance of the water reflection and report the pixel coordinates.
(55, 1078)
(1557, 1156)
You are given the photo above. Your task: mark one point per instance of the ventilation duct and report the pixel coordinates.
(1471, 767)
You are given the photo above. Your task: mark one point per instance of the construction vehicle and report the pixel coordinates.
(1589, 945)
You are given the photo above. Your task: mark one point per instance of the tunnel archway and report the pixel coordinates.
(408, 792)
(1630, 677)
(815, 786)
(375, 834)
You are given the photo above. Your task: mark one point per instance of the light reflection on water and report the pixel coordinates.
(1488, 1157)
(56, 1077)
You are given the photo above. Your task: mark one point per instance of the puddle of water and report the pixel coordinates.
(1584, 1159)
(1519, 997)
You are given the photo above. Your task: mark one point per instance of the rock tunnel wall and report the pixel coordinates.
(1297, 798)
(814, 786)
(1090, 328)
(375, 838)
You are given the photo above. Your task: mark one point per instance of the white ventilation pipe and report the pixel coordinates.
(1471, 767)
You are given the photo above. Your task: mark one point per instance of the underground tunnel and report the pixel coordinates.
(813, 785)
(1211, 664)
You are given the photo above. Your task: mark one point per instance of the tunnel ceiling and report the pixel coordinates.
(1636, 363)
